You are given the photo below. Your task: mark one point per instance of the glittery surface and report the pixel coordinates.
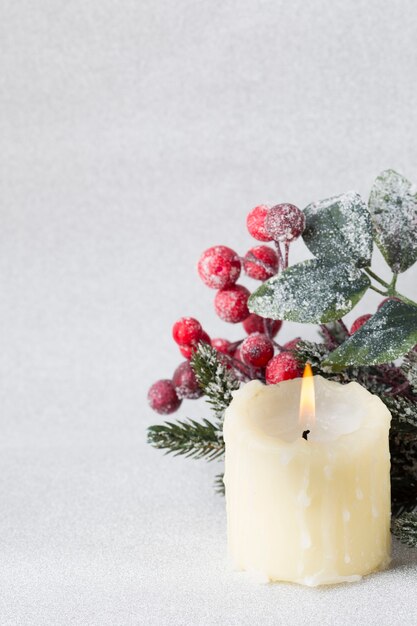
(111, 533)
(134, 136)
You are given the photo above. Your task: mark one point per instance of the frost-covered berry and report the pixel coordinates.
(237, 354)
(186, 330)
(238, 363)
(163, 398)
(205, 338)
(231, 304)
(291, 345)
(257, 350)
(283, 366)
(261, 262)
(256, 324)
(219, 267)
(221, 345)
(187, 350)
(185, 382)
(285, 222)
(256, 223)
(358, 323)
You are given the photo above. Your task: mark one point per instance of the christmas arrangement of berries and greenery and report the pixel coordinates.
(379, 351)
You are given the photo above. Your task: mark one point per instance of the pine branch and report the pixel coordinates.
(313, 353)
(405, 529)
(214, 378)
(190, 438)
(403, 494)
(219, 484)
(403, 411)
(409, 367)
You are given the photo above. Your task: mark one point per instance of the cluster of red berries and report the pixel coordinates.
(219, 268)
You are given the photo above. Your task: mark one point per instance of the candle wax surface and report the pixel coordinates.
(313, 511)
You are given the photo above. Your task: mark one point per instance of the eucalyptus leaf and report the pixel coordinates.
(387, 335)
(312, 291)
(339, 229)
(393, 208)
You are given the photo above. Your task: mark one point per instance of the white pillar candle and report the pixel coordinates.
(313, 511)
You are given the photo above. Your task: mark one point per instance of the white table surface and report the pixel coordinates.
(135, 135)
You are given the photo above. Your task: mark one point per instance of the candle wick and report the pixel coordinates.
(305, 433)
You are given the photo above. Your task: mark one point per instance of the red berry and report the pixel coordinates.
(238, 362)
(285, 222)
(358, 323)
(187, 350)
(205, 338)
(292, 345)
(257, 350)
(163, 398)
(237, 354)
(255, 324)
(187, 330)
(221, 345)
(185, 382)
(256, 223)
(261, 262)
(219, 267)
(283, 366)
(231, 304)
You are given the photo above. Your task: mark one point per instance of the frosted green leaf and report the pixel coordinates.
(339, 229)
(312, 291)
(393, 208)
(387, 335)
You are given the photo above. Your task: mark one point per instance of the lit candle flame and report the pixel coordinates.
(307, 399)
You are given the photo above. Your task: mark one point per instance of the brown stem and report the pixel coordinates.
(280, 257)
(343, 326)
(331, 342)
(235, 345)
(400, 389)
(287, 254)
(253, 259)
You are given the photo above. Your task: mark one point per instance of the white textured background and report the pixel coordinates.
(134, 134)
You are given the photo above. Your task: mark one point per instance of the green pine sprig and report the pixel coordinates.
(404, 528)
(188, 438)
(403, 411)
(214, 378)
(409, 367)
(219, 484)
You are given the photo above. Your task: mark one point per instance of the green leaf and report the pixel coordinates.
(393, 208)
(312, 291)
(339, 229)
(387, 335)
